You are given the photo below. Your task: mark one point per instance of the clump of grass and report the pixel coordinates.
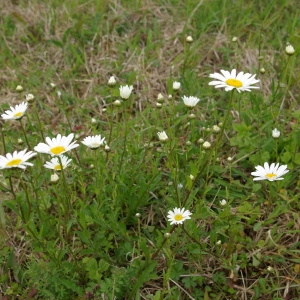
(95, 223)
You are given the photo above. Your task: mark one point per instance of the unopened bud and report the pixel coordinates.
(54, 178)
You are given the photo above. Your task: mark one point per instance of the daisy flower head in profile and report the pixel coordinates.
(54, 163)
(275, 133)
(15, 113)
(16, 159)
(289, 49)
(231, 80)
(93, 142)
(270, 172)
(190, 101)
(125, 91)
(162, 136)
(178, 216)
(57, 146)
(112, 81)
(176, 85)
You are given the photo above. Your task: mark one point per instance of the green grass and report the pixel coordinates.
(101, 231)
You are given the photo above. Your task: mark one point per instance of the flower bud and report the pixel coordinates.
(189, 39)
(289, 50)
(275, 133)
(19, 88)
(206, 145)
(216, 128)
(117, 103)
(160, 98)
(29, 98)
(54, 178)
(223, 202)
(176, 85)
(162, 136)
(112, 81)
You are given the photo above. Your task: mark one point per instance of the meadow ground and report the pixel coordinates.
(102, 223)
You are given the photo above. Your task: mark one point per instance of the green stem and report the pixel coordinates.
(66, 196)
(39, 122)
(124, 150)
(26, 196)
(213, 150)
(152, 259)
(278, 85)
(24, 132)
(3, 141)
(11, 187)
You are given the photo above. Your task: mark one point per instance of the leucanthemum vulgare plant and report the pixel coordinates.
(148, 173)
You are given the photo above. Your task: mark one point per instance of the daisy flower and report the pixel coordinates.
(16, 160)
(93, 142)
(271, 173)
(190, 101)
(178, 216)
(58, 145)
(230, 80)
(16, 112)
(125, 91)
(54, 163)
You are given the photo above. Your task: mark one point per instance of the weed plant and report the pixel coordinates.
(161, 204)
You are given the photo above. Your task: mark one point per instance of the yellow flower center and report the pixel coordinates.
(234, 82)
(178, 217)
(270, 175)
(14, 162)
(18, 114)
(57, 168)
(57, 150)
(95, 145)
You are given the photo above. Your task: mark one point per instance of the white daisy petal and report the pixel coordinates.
(15, 113)
(54, 163)
(16, 160)
(190, 101)
(231, 80)
(225, 73)
(162, 136)
(178, 216)
(269, 172)
(93, 142)
(125, 91)
(218, 76)
(57, 146)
